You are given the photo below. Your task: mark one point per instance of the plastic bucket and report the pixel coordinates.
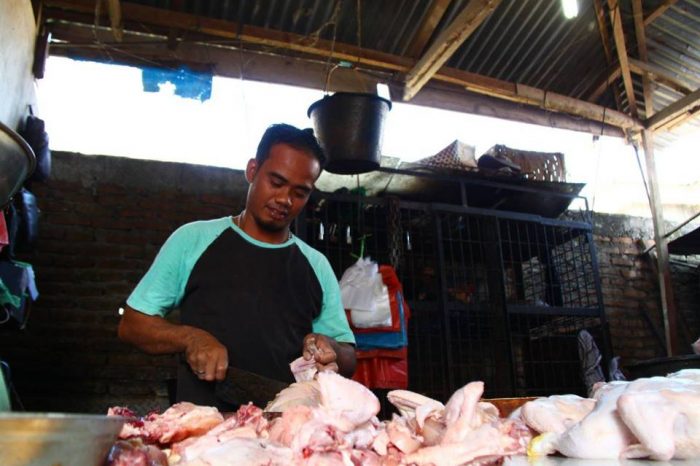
(350, 126)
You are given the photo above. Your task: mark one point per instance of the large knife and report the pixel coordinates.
(241, 386)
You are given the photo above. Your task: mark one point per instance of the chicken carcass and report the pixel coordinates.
(341, 424)
(297, 394)
(555, 413)
(424, 415)
(487, 443)
(663, 413)
(134, 452)
(178, 422)
(303, 370)
(600, 434)
(473, 433)
(346, 398)
(240, 451)
(247, 422)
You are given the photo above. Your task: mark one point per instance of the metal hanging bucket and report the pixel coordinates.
(350, 126)
(17, 162)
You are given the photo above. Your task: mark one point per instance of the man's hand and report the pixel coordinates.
(207, 357)
(320, 348)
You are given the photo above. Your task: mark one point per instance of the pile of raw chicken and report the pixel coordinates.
(331, 420)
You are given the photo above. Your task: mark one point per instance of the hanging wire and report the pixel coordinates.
(96, 24)
(641, 171)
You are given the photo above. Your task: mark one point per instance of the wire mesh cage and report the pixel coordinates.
(494, 296)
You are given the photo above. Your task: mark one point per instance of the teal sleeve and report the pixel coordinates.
(162, 288)
(332, 321)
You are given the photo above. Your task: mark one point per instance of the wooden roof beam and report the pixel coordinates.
(640, 33)
(659, 11)
(619, 36)
(431, 19)
(115, 18)
(447, 43)
(605, 42)
(689, 104)
(150, 18)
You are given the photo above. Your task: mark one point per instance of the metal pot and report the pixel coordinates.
(17, 162)
(49, 439)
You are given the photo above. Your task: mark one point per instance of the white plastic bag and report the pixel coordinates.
(379, 317)
(364, 293)
(357, 285)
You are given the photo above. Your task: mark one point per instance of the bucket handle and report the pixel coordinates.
(347, 65)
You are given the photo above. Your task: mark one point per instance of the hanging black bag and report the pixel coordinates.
(34, 132)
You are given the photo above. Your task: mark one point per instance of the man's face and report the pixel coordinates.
(280, 187)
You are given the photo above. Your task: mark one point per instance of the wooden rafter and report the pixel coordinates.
(154, 19)
(638, 13)
(660, 10)
(115, 18)
(432, 18)
(447, 43)
(619, 36)
(689, 104)
(605, 42)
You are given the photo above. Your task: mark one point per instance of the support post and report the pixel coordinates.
(668, 305)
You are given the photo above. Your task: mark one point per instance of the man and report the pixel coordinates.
(251, 294)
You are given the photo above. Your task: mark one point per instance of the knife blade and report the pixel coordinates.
(241, 386)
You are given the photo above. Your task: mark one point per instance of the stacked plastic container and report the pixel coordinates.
(382, 351)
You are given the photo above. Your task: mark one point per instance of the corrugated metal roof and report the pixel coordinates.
(523, 41)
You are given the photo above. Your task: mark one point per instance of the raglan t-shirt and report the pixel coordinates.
(258, 299)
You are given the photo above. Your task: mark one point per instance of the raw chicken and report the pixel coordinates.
(247, 422)
(600, 434)
(401, 436)
(473, 432)
(347, 398)
(303, 370)
(688, 374)
(488, 442)
(240, 451)
(411, 404)
(297, 394)
(178, 422)
(134, 452)
(345, 418)
(555, 413)
(423, 414)
(285, 428)
(664, 415)
(657, 417)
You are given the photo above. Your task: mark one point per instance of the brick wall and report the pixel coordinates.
(630, 289)
(103, 221)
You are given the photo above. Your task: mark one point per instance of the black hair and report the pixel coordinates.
(300, 139)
